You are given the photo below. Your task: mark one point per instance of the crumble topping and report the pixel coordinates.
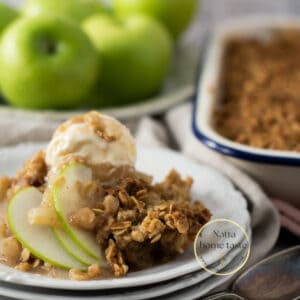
(136, 222)
(261, 92)
(95, 122)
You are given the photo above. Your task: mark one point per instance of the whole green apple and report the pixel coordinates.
(77, 10)
(174, 14)
(135, 53)
(47, 62)
(7, 15)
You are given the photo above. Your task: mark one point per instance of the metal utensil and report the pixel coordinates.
(274, 278)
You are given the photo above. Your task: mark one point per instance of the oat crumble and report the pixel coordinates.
(137, 223)
(261, 92)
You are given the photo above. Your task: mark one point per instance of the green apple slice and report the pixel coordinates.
(38, 239)
(73, 249)
(67, 201)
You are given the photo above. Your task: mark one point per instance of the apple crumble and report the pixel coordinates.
(261, 92)
(135, 222)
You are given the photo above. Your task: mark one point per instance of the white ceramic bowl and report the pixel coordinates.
(277, 171)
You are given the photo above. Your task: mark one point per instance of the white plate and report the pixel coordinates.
(214, 189)
(196, 285)
(137, 293)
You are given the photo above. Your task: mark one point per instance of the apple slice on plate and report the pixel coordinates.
(38, 239)
(68, 200)
(72, 248)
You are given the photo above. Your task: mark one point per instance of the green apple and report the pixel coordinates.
(135, 54)
(175, 14)
(7, 15)
(47, 62)
(38, 239)
(77, 10)
(71, 247)
(68, 200)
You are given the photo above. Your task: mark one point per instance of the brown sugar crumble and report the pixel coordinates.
(261, 92)
(136, 222)
(147, 223)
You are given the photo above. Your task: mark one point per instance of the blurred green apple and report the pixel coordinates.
(135, 54)
(47, 62)
(174, 14)
(7, 15)
(77, 10)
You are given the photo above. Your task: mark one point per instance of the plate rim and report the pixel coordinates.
(150, 295)
(152, 106)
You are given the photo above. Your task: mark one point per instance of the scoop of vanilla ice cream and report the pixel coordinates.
(95, 138)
